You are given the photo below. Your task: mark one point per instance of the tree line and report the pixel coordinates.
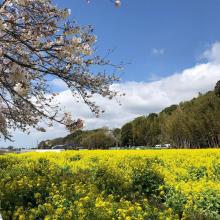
(190, 124)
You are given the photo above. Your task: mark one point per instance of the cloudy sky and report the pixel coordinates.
(173, 51)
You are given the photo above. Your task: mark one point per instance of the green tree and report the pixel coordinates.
(117, 135)
(101, 139)
(169, 110)
(217, 89)
(153, 130)
(139, 131)
(127, 135)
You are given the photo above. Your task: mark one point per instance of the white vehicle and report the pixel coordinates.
(158, 146)
(167, 145)
(163, 146)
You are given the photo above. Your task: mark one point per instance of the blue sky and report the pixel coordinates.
(183, 29)
(173, 48)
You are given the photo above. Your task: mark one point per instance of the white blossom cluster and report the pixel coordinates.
(116, 2)
(38, 43)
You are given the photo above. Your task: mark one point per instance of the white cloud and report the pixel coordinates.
(141, 98)
(213, 54)
(58, 84)
(158, 51)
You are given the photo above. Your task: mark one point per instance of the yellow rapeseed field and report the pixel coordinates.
(107, 185)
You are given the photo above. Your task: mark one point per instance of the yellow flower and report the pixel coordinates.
(22, 217)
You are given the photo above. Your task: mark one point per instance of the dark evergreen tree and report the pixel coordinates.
(217, 89)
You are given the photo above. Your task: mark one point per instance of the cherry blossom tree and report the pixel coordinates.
(38, 43)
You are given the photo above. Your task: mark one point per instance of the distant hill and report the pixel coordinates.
(93, 139)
